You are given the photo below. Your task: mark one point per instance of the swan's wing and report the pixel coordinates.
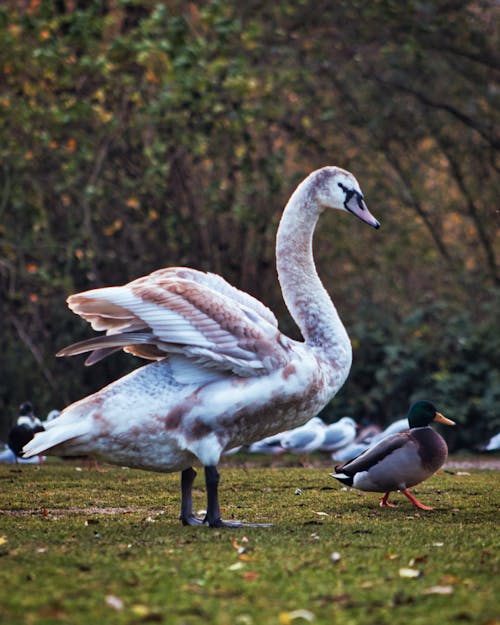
(217, 283)
(169, 312)
(373, 455)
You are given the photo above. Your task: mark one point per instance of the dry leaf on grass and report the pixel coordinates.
(439, 590)
(114, 602)
(410, 573)
(287, 618)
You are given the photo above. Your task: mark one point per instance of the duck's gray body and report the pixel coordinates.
(397, 462)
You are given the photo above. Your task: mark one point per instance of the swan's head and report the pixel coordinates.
(338, 188)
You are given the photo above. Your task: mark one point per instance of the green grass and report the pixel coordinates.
(80, 547)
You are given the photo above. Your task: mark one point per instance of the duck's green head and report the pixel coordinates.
(423, 413)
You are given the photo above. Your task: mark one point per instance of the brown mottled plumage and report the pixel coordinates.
(225, 375)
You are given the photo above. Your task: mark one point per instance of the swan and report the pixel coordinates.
(400, 460)
(224, 374)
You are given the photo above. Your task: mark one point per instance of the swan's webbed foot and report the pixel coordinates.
(213, 517)
(234, 524)
(191, 520)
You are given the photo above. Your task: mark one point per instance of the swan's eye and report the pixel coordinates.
(349, 194)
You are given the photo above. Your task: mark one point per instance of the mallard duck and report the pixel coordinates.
(225, 375)
(401, 460)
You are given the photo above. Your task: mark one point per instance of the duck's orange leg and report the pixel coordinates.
(384, 502)
(415, 501)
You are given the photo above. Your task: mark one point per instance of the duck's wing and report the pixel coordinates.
(373, 455)
(180, 310)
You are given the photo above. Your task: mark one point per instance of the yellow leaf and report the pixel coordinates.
(287, 618)
(132, 202)
(3, 540)
(140, 610)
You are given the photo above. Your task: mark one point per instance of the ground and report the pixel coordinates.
(80, 546)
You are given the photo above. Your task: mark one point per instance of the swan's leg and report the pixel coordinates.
(187, 516)
(415, 501)
(213, 518)
(384, 502)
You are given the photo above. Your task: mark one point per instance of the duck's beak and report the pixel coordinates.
(442, 419)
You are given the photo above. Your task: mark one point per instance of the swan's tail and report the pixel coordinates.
(60, 430)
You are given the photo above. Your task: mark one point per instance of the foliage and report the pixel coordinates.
(435, 352)
(107, 547)
(135, 135)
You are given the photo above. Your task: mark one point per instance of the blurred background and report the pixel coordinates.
(136, 135)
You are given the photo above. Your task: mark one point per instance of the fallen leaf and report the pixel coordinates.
(114, 602)
(405, 572)
(239, 548)
(439, 590)
(391, 556)
(140, 610)
(3, 540)
(244, 557)
(250, 576)
(236, 566)
(450, 579)
(286, 618)
(417, 559)
(322, 513)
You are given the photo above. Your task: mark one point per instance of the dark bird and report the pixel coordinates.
(25, 429)
(401, 460)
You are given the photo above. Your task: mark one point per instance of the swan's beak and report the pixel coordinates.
(357, 206)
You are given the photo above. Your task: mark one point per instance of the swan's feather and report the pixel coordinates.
(229, 377)
(184, 311)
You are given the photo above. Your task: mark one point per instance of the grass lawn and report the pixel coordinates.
(83, 547)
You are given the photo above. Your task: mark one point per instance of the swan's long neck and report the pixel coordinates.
(304, 294)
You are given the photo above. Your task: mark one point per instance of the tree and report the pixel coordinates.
(139, 135)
